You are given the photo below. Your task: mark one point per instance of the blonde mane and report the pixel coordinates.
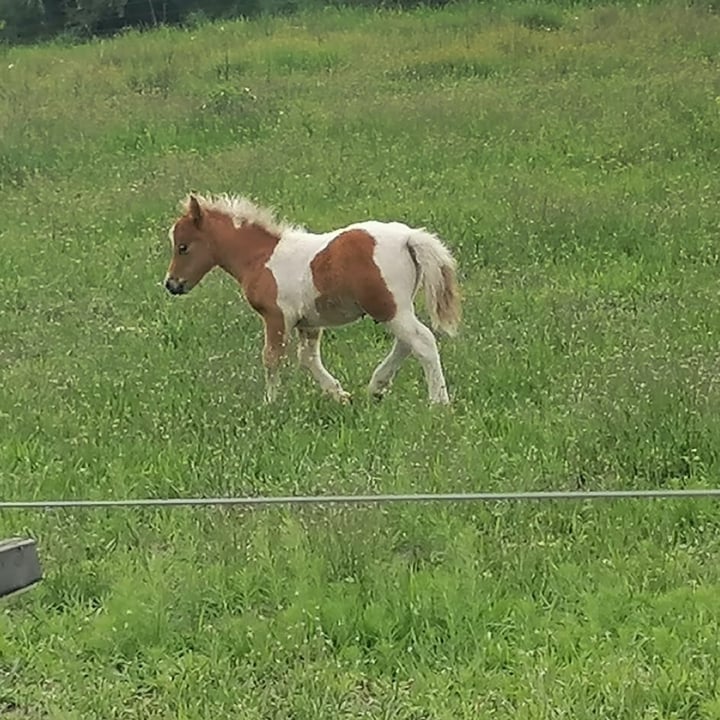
(243, 210)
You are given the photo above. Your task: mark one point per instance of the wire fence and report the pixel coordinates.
(381, 499)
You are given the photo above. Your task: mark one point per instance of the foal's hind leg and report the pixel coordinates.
(309, 358)
(409, 330)
(384, 373)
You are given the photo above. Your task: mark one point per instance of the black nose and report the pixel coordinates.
(174, 287)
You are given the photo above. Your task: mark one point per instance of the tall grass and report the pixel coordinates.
(569, 157)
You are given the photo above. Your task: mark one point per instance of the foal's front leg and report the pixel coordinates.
(273, 352)
(309, 358)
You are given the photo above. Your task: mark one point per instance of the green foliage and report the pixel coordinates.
(31, 20)
(539, 17)
(574, 174)
(26, 19)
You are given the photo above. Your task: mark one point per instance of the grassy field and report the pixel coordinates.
(570, 158)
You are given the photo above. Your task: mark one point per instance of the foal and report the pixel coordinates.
(299, 280)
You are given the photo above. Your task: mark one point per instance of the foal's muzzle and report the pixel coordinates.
(175, 287)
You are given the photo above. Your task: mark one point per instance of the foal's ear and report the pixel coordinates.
(195, 210)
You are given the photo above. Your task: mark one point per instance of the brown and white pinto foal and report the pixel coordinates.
(305, 281)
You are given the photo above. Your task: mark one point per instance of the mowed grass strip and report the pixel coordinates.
(570, 159)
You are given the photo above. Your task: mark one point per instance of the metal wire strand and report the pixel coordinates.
(360, 499)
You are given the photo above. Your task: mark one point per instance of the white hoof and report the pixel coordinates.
(344, 398)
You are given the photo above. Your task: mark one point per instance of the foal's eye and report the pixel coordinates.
(182, 249)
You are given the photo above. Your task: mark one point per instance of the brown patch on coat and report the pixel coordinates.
(245, 257)
(243, 252)
(347, 278)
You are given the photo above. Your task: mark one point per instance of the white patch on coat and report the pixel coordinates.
(290, 264)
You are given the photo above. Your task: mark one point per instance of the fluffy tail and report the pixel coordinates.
(438, 272)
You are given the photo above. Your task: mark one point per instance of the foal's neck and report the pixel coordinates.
(244, 250)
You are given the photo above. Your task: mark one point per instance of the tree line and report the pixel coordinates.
(24, 21)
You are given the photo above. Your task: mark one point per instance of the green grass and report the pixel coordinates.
(570, 158)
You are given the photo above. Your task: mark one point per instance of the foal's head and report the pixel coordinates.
(192, 249)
